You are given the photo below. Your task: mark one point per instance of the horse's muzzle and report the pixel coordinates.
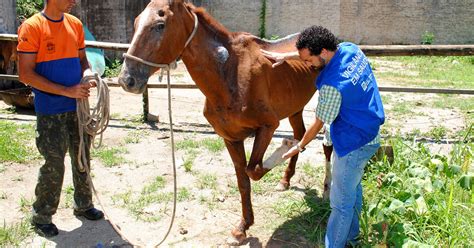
(131, 84)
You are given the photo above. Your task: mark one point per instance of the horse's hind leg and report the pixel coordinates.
(237, 153)
(296, 122)
(327, 177)
(328, 149)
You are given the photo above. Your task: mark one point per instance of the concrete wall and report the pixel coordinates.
(8, 16)
(110, 20)
(405, 21)
(360, 21)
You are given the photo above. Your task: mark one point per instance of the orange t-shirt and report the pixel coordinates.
(56, 44)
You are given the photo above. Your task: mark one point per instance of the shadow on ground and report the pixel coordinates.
(306, 229)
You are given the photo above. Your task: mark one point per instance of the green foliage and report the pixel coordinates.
(419, 199)
(427, 38)
(263, 17)
(27, 8)
(16, 142)
(112, 68)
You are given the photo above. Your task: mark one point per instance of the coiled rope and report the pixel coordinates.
(92, 123)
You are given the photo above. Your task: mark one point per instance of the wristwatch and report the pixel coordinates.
(300, 149)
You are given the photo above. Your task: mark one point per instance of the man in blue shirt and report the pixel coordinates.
(350, 102)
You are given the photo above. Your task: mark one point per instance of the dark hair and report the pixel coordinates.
(315, 38)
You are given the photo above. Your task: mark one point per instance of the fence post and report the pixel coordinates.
(145, 105)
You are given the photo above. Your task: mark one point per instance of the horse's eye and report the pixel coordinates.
(161, 13)
(160, 26)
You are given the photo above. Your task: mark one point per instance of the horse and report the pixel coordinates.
(8, 55)
(244, 95)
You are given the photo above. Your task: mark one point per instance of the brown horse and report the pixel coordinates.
(244, 95)
(8, 55)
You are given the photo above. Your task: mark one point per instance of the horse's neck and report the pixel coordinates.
(205, 59)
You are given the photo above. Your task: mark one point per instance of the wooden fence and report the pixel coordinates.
(369, 50)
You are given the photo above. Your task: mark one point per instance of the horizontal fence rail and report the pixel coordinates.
(381, 88)
(369, 50)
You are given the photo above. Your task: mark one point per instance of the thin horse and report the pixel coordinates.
(244, 95)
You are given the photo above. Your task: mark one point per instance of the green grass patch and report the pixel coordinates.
(158, 183)
(193, 147)
(429, 71)
(213, 145)
(207, 181)
(152, 203)
(110, 156)
(68, 196)
(16, 142)
(13, 235)
(134, 137)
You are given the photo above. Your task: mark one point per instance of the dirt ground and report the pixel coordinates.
(196, 224)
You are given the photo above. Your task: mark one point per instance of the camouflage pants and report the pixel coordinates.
(56, 134)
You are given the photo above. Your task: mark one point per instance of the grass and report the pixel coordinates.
(16, 142)
(192, 149)
(427, 71)
(13, 235)
(110, 156)
(133, 137)
(207, 181)
(152, 203)
(68, 196)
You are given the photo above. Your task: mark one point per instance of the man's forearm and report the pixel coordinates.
(311, 132)
(41, 83)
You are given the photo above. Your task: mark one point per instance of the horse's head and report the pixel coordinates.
(162, 31)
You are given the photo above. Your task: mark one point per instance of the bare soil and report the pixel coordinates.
(208, 217)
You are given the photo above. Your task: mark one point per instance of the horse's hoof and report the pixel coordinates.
(282, 186)
(238, 238)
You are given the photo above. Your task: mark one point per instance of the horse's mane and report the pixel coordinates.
(211, 22)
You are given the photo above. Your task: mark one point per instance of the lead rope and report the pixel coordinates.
(95, 123)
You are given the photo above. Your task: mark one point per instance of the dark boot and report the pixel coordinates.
(91, 214)
(45, 230)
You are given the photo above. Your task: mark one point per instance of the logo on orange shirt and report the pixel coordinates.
(50, 47)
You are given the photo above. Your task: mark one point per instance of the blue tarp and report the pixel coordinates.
(94, 55)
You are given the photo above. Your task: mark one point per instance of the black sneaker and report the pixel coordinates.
(46, 230)
(91, 214)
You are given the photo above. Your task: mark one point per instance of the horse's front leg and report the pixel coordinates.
(237, 153)
(263, 136)
(296, 122)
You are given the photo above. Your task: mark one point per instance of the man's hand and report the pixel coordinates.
(278, 58)
(89, 73)
(292, 152)
(78, 91)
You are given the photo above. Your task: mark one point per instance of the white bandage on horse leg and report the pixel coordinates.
(276, 159)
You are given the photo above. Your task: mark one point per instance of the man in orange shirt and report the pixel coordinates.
(52, 60)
